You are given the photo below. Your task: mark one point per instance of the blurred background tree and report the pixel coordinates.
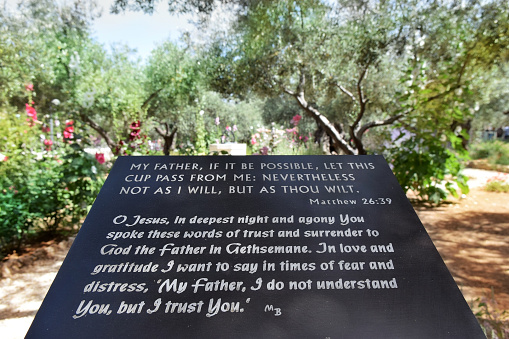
(414, 80)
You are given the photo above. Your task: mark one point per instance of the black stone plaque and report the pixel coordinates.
(253, 247)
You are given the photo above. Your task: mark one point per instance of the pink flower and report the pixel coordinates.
(135, 134)
(264, 150)
(253, 140)
(235, 128)
(32, 115)
(100, 158)
(135, 125)
(48, 144)
(31, 112)
(29, 87)
(217, 121)
(228, 128)
(45, 129)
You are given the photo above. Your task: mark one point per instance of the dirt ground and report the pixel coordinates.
(472, 238)
(471, 234)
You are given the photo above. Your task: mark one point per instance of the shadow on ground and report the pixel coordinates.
(473, 243)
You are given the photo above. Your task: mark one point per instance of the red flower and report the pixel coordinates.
(67, 135)
(69, 129)
(295, 120)
(100, 158)
(29, 87)
(45, 129)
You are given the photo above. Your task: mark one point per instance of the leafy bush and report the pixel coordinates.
(47, 180)
(496, 151)
(44, 191)
(428, 168)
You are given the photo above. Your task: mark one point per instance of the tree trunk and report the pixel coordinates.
(167, 137)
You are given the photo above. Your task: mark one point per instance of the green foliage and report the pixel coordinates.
(174, 6)
(42, 189)
(281, 141)
(200, 144)
(428, 169)
(497, 186)
(45, 191)
(496, 151)
(494, 322)
(369, 65)
(245, 115)
(430, 67)
(172, 79)
(498, 183)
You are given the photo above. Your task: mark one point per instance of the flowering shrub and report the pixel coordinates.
(100, 158)
(45, 182)
(135, 144)
(279, 141)
(32, 114)
(68, 131)
(226, 134)
(498, 183)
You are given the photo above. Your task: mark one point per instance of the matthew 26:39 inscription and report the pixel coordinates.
(253, 247)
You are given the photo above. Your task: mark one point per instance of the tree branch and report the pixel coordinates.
(150, 98)
(379, 123)
(111, 144)
(337, 138)
(362, 101)
(347, 92)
